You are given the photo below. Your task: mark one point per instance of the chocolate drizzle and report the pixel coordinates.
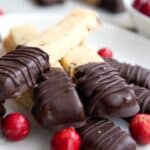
(21, 69)
(132, 73)
(143, 98)
(104, 92)
(56, 102)
(104, 135)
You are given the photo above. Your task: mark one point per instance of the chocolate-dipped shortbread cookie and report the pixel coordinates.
(143, 98)
(68, 32)
(103, 91)
(20, 70)
(56, 103)
(104, 135)
(132, 73)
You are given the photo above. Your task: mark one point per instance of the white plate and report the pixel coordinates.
(126, 47)
(122, 19)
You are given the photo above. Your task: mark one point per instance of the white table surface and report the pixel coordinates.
(23, 6)
(123, 44)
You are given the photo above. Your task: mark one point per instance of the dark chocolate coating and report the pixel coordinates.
(143, 98)
(2, 110)
(132, 73)
(104, 135)
(20, 70)
(48, 2)
(56, 102)
(104, 92)
(114, 6)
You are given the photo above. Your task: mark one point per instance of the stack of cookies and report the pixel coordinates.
(64, 83)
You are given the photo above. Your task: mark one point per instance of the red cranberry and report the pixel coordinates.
(66, 139)
(145, 9)
(15, 126)
(1, 12)
(139, 127)
(138, 4)
(105, 53)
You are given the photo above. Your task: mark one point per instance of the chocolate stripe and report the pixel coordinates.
(20, 70)
(132, 73)
(56, 103)
(104, 135)
(104, 92)
(143, 98)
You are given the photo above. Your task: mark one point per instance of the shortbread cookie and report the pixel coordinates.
(103, 91)
(135, 74)
(56, 103)
(77, 56)
(26, 99)
(21, 69)
(67, 34)
(19, 35)
(143, 98)
(69, 63)
(103, 134)
(62, 37)
(57, 40)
